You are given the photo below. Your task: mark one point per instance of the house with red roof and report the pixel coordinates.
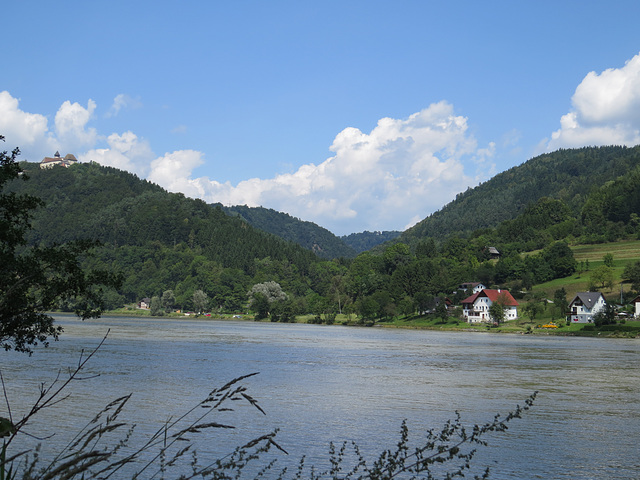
(476, 307)
(49, 162)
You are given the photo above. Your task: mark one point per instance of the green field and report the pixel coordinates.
(624, 252)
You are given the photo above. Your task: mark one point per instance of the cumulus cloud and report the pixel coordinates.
(122, 101)
(126, 152)
(71, 125)
(393, 176)
(164, 170)
(606, 110)
(388, 178)
(29, 131)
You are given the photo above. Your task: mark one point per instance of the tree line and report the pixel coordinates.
(167, 246)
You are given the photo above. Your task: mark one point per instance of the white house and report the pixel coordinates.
(585, 305)
(636, 302)
(475, 287)
(476, 307)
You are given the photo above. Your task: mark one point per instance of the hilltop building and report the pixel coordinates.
(50, 162)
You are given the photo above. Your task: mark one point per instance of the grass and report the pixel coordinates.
(624, 252)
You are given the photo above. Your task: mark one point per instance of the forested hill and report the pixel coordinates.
(570, 176)
(363, 241)
(119, 209)
(307, 234)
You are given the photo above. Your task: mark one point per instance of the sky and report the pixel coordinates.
(355, 115)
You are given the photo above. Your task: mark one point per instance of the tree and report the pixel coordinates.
(155, 307)
(497, 309)
(632, 275)
(262, 296)
(35, 280)
(441, 310)
(560, 302)
(168, 300)
(560, 259)
(602, 277)
(200, 301)
(533, 309)
(606, 316)
(608, 260)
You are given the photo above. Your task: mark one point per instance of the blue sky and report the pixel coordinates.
(361, 115)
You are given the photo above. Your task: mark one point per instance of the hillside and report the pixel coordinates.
(165, 242)
(307, 234)
(566, 175)
(159, 240)
(116, 207)
(363, 241)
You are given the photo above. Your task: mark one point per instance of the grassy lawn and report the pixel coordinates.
(623, 252)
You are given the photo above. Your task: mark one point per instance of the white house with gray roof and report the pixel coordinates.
(585, 305)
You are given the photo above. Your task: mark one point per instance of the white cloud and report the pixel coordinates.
(388, 178)
(125, 151)
(122, 101)
(606, 110)
(71, 125)
(164, 170)
(28, 131)
(397, 174)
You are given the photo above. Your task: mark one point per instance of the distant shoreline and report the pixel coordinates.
(505, 329)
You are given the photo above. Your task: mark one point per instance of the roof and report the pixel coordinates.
(493, 295)
(70, 157)
(588, 299)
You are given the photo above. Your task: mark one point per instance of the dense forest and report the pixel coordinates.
(570, 176)
(363, 241)
(307, 234)
(189, 255)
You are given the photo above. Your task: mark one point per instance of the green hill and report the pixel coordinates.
(566, 175)
(159, 240)
(307, 234)
(363, 241)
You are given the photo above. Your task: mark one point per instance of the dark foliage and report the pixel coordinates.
(565, 175)
(363, 241)
(37, 279)
(306, 234)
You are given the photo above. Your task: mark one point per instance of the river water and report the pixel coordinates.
(319, 384)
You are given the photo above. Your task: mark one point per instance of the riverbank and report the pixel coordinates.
(522, 326)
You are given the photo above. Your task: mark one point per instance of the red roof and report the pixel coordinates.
(493, 296)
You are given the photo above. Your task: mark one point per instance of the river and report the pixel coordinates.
(319, 384)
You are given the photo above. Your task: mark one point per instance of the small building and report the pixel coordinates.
(636, 303)
(474, 287)
(493, 252)
(50, 162)
(476, 307)
(585, 305)
(145, 303)
(447, 302)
